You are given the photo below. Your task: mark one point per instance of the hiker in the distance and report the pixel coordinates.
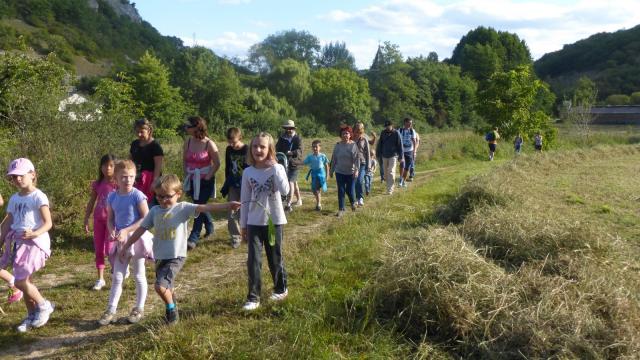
(290, 144)
(517, 144)
(361, 140)
(409, 146)
(492, 139)
(537, 142)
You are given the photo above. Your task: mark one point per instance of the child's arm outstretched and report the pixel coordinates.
(209, 207)
(89, 208)
(45, 214)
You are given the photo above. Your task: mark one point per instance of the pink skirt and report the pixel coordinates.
(29, 259)
(143, 248)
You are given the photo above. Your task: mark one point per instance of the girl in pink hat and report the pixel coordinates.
(27, 224)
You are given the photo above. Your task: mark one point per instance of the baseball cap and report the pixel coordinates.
(387, 123)
(20, 166)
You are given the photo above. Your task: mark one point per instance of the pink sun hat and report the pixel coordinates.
(21, 166)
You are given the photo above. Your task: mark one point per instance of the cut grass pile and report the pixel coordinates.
(523, 272)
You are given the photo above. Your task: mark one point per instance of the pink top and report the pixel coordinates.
(197, 159)
(102, 189)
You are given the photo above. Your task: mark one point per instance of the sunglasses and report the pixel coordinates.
(165, 197)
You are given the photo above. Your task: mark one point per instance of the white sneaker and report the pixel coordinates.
(42, 315)
(250, 305)
(299, 202)
(361, 202)
(99, 284)
(279, 297)
(25, 325)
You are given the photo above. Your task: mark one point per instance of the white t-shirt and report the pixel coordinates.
(260, 196)
(170, 229)
(25, 210)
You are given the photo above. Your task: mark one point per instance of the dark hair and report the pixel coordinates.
(143, 122)
(315, 142)
(200, 125)
(103, 160)
(234, 132)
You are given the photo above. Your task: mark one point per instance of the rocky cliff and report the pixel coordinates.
(122, 8)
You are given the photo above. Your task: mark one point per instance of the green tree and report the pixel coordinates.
(159, 101)
(290, 79)
(336, 55)
(483, 51)
(227, 97)
(117, 99)
(291, 44)
(507, 102)
(635, 98)
(339, 95)
(617, 99)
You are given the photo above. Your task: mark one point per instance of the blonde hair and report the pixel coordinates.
(122, 165)
(167, 183)
(271, 155)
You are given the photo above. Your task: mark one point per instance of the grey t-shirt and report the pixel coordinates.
(170, 229)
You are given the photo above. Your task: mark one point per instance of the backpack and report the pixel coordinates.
(281, 158)
(490, 136)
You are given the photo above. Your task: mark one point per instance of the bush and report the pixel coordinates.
(617, 99)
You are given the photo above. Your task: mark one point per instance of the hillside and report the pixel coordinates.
(89, 36)
(611, 60)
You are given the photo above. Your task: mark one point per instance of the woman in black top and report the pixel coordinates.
(148, 156)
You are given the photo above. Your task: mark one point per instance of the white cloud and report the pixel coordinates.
(421, 26)
(230, 44)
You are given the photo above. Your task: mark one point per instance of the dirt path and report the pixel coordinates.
(228, 265)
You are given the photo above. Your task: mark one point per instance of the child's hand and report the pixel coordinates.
(122, 253)
(234, 205)
(28, 234)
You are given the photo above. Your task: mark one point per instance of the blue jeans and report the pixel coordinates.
(345, 185)
(360, 182)
(367, 182)
(206, 191)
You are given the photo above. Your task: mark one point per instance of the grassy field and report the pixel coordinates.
(525, 257)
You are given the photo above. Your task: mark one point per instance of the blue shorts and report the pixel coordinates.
(408, 160)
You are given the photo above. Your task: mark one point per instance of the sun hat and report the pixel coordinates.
(21, 166)
(289, 125)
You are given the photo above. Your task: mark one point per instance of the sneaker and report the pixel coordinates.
(14, 295)
(410, 179)
(353, 207)
(251, 305)
(401, 182)
(135, 315)
(99, 284)
(279, 297)
(25, 325)
(235, 242)
(191, 245)
(107, 318)
(318, 207)
(389, 192)
(361, 202)
(340, 213)
(171, 316)
(42, 315)
(299, 202)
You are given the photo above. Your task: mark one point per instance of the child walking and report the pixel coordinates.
(368, 177)
(170, 220)
(235, 160)
(27, 222)
(14, 293)
(319, 168)
(262, 218)
(125, 209)
(100, 189)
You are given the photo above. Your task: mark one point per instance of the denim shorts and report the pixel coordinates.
(292, 174)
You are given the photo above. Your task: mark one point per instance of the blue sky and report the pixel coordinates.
(230, 27)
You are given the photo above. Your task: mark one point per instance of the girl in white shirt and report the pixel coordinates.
(262, 217)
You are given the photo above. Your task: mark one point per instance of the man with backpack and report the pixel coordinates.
(492, 139)
(290, 144)
(409, 147)
(390, 150)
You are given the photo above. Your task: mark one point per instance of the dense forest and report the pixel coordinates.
(611, 60)
(489, 80)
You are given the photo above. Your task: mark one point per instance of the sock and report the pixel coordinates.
(171, 306)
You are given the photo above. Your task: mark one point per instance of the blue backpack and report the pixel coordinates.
(490, 136)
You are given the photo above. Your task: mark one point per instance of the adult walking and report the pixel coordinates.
(492, 139)
(390, 150)
(537, 142)
(290, 144)
(345, 164)
(148, 156)
(200, 161)
(409, 147)
(362, 145)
